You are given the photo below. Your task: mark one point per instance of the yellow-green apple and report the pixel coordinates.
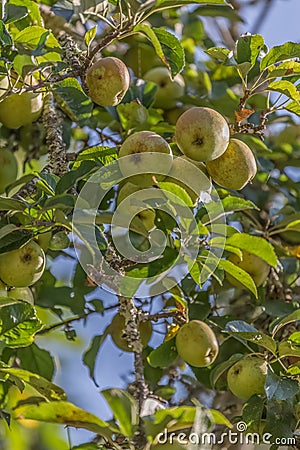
(168, 91)
(117, 328)
(247, 377)
(108, 81)
(22, 267)
(235, 168)
(142, 151)
(257, 268)
(22, 108)
(202, 134)
(197, 344)
(190, 175)
(8, 168)
(59, 241)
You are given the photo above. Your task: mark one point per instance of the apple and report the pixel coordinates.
(117, 329)
(257, 268)
(59, 241)
(197, 344)
(146, 216)
(235, 168)
(247, 377)
(202, 134)
(22, 293)
(20, 109)
(142, 151)
(184, 174)
(8, 168)
(43, 240)
(108, 81)
(168, 91)
(22, 267)
(140, 57)
(172, 115)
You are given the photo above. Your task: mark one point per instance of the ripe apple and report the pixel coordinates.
(22, 267)
(22, 293)
(184, 175)
(108, 80)
(255, 266)
(235, 168)
(8, 168)
(142, 150)
(117, 329)
(247, 377)
(197, 344)
(168, 91)
(202, 134)
(22, 108)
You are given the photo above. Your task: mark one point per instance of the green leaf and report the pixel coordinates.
(283, 52)
(8, 204)
(248, 48)
(293, 317)
(172, 49)
(293, 107)
(15, 13)
(218, 371)
(99, 153)
(278, 388)
(286, 348)
(73, 100)
(255, 245)
(90, 355)
(163, 355)
(71, 178)
(218, 53)
(18, 323)
(49, 390)
(32, 37)
(176, 191)
(65, 413)
(124, 409)
(132, 114)
(90, 35)
(37, 360)
(251, 334)
(285, 87)
(284, 69)
(13, 239)
(239, 274)
(149, 32)
(61, 201)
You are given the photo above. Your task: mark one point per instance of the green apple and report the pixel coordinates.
(140, 57)
(202, 134)
(197, 344)
(168, 91)
(235, 168)
(146, 216)
(142, 151)
(247, 377)
(108, 81)
(252, 264)
(8, 168)
(59, 241)
(172, 115)
(185, 175)
(44, 240)
(22, 267)
(117, 329)
(22, 293)
(19, 109)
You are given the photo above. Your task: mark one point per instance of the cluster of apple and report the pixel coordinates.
(20, 269)
(16, 110)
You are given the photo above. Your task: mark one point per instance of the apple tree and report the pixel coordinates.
(165, 166)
